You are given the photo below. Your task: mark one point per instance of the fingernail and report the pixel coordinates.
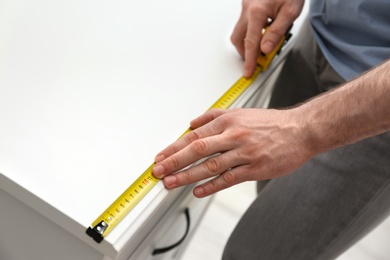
(199, 191)
(159, 158)
(158, 171)
(170, 181)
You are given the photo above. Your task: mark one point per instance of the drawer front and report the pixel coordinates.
(173, 232)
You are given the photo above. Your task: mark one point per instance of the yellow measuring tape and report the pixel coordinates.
(139, 188)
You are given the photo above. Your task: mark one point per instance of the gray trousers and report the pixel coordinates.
(323, 208)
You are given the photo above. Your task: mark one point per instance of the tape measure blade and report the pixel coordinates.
(122, 205)
(138, 190)
(231, 95)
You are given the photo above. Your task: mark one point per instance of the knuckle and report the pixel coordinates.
(185, 177)
(175, 162)
(292, 12)
(251, 43)
(191, 137)
(225, 120)
(255, 10)
(229, 178)
(200, 147)
(275, 32)
(235, 40)
(239, 134)
(175, 148)
(212, 186)
(212, 165)
(247, 154)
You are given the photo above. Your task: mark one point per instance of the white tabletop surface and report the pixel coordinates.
(91, 90)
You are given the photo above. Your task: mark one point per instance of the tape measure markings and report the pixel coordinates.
(140, 187)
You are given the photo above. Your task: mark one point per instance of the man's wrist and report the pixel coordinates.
(310, 134)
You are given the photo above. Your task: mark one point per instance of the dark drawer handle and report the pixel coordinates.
(166, 249)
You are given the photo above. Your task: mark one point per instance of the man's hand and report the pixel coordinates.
(258, 144)
(244, 144)
(247, 35)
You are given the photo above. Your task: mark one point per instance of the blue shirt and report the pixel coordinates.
(354, 35)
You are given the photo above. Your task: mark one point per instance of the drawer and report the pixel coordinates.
(168, 239)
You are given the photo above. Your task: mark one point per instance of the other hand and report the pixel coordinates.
(247, 34)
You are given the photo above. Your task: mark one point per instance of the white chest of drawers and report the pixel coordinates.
(90, 91)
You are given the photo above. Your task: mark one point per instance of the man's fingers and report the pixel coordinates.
(202, 130)
(211, 167)
(239, 34)
(287, 14)
(225, 180)
(198, 149)
(207, 117)
(274, 34)
(256, 22)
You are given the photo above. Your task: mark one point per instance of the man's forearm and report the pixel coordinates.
(352, 112)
